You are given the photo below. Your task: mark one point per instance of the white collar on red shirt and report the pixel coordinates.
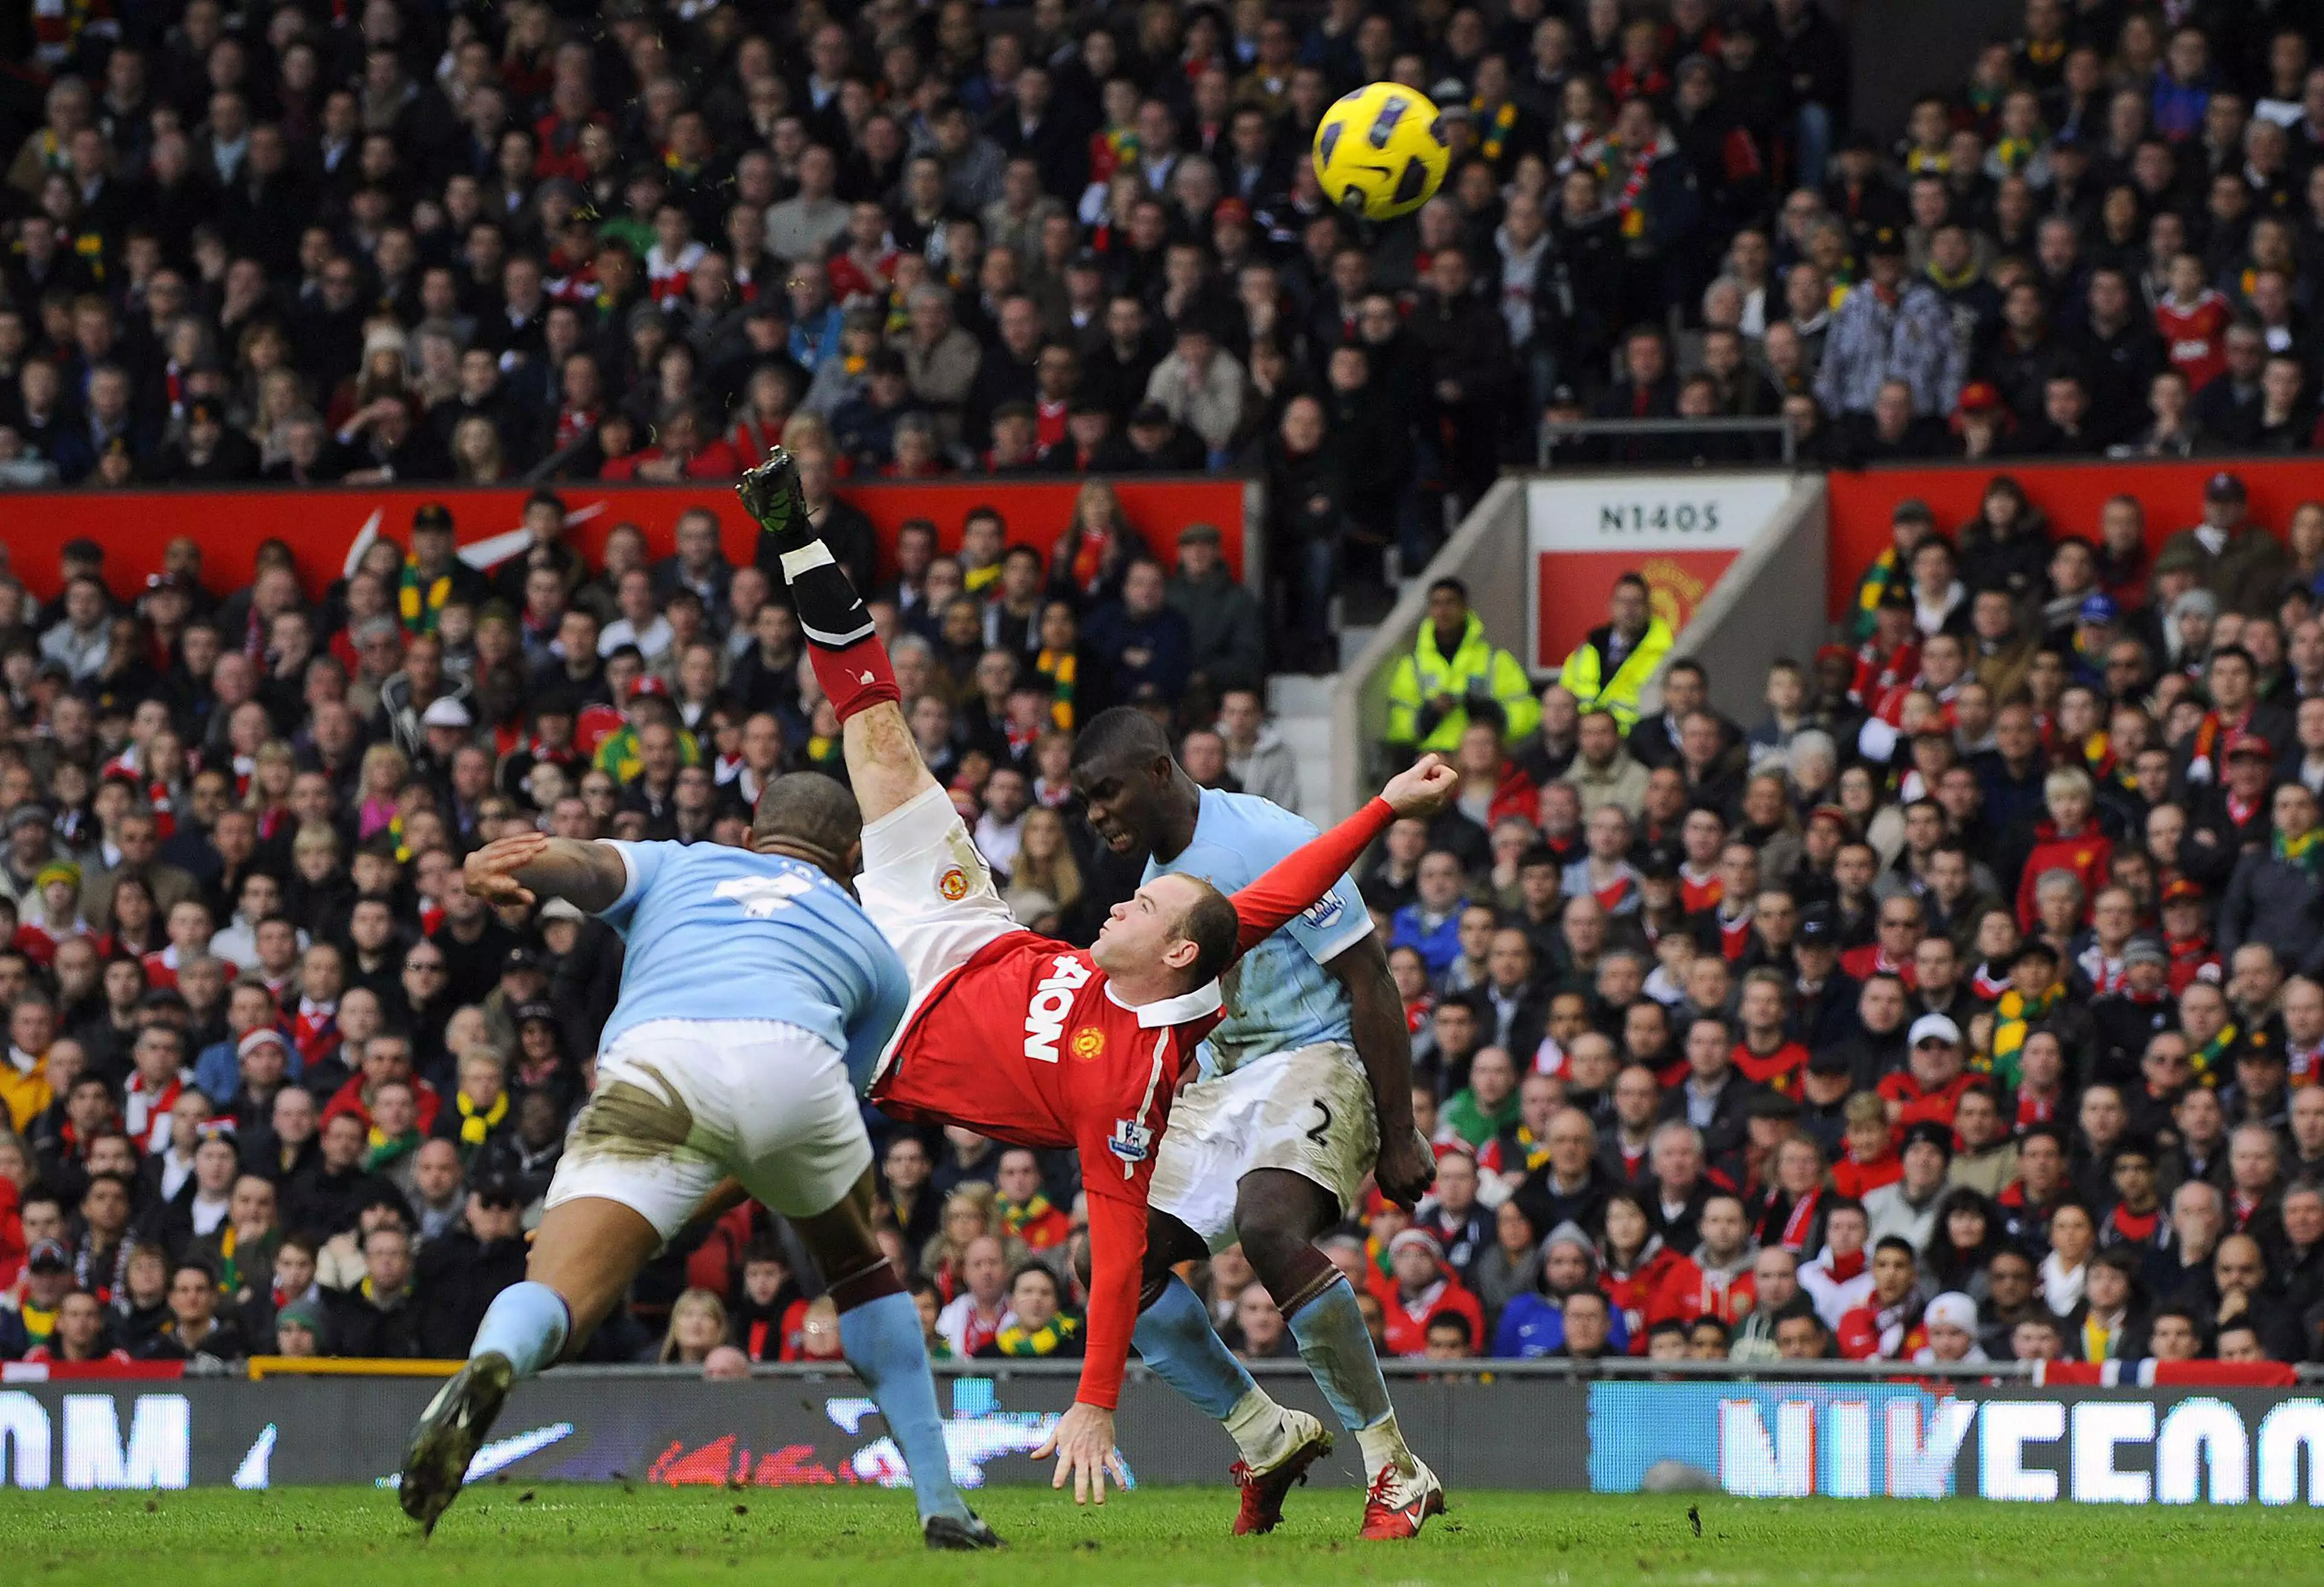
(1204, 999)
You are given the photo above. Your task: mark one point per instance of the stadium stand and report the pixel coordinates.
(1968, 1005)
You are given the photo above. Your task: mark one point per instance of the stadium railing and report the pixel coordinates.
(1477, 1368)
(1553, 430)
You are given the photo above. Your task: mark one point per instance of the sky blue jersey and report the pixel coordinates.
(1279, 997)
(721, 933)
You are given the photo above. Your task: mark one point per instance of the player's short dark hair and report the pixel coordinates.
(812, 810)
(1212, 925)
(1121, 733)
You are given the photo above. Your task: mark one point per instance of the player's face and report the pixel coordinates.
(1124, 801)
(1142, 928)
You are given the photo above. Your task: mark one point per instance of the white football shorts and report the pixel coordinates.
(681, 1103)
(1308, 1110)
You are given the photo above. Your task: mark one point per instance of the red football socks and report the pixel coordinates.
(849, 661)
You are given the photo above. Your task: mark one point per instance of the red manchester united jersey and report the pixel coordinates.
(1026, 1043)
(2195, 337)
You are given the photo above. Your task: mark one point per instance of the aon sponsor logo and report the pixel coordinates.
(1053, 997)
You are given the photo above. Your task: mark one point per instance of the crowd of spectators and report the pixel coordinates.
(1968, 1005)
(257, 1026)
(1967, 1002)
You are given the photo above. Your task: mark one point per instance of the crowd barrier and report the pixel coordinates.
(2001, 1433)
(326, 529)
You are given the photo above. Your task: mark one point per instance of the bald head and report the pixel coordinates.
(811, 816)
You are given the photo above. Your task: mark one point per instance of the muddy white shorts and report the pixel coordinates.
(930, 893)
(1309, 1111)
(681, 1103)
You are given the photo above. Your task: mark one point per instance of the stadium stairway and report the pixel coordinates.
(1301, 706)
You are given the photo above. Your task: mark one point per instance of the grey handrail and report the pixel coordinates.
(1779, 427)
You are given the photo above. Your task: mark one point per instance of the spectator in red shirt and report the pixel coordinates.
(1638, 1263)
(1715, 1281)
(2068, 840)
(386, 1057)
(1933, 1078)
(1418, 1289)
(1867, 1157)
(1764, 1055)
(1890, 953)
(1883, 1328)
(79, 1334)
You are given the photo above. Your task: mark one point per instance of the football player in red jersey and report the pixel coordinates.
(1016, 1036)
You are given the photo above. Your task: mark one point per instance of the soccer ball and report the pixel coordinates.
(1380, 151)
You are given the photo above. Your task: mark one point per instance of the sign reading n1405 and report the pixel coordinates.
(1638, 517)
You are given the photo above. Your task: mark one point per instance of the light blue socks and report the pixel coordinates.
(1177, 1342)
(527, 1323)
(884, 1344)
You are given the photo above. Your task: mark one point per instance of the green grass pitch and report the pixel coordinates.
(509, 1534)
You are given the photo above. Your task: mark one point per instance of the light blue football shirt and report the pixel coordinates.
(1279, 997)
(721, 933)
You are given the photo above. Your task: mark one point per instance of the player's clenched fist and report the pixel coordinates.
(490, 871)
(1422, 788)
(1405, 1167)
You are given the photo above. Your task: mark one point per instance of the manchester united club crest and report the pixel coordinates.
(953, 885)
(1089, 1043)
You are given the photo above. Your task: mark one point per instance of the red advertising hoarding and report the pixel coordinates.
(322, 525)
(2069, 494)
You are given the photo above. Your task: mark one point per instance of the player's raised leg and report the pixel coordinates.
(884, 764)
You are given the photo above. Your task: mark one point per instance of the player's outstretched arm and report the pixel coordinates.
(1082, 1439)
(1310, 871)
(884, 763)
(533, 866)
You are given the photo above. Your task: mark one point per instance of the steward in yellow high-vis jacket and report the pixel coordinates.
(1609, 670)
(1452, 668)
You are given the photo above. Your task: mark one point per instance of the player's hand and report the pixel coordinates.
(490, 871)
(1083, 1441)
(1422, 788)
(1406, 1167)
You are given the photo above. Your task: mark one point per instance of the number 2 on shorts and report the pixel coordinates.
(1324, 1125)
